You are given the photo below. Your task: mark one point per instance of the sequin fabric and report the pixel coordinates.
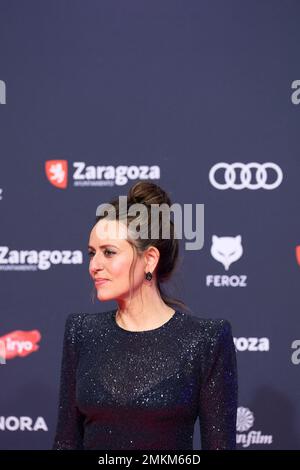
(123, 389)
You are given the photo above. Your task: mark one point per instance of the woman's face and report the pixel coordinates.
(110, 258)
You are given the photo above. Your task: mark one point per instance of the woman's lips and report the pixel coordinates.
(100, 282)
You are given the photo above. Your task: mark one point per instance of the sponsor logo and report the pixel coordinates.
(57, 173)
(252, 344)
(226, 250)
(245, 437)
(32, 260)
(19, 343)
(2, 92)
(90, 175)
(2, 353)
(295, 96)
(295, 358)
(22, 423)
(240, 175)
(298, 254)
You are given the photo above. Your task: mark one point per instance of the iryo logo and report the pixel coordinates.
(19, 343)
(298, 254)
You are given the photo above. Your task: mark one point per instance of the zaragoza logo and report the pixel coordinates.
(97, 176)
(57, 172)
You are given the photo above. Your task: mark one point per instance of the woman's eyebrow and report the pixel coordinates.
(101, 246)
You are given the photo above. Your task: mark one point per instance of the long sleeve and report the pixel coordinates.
(219, 390)
(69, 430)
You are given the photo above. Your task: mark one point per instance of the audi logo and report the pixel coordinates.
(262, 173)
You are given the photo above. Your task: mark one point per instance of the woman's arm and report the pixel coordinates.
(219, 390)
(69, 430)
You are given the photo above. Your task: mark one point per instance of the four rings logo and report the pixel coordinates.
(240, 175)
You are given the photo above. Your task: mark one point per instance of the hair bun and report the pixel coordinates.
(145, 192)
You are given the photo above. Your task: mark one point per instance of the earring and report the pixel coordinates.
(148, 276)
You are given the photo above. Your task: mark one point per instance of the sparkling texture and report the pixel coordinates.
(123, 389)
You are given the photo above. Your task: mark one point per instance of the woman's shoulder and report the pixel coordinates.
(208, 326)
(209, 333)
(81, 321)
(214, 339)
(81, 328)
(205, 329)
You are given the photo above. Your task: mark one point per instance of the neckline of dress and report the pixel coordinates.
(153, 330)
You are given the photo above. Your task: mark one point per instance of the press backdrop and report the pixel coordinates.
(201, 97)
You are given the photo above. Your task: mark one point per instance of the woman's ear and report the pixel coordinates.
(151, 257)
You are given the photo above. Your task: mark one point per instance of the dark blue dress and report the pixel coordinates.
(144, 390)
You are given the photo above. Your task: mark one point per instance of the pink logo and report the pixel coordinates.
(19, 343)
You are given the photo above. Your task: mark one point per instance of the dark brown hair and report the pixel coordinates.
(148, 193)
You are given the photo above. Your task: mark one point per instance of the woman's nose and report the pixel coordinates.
(96, 264)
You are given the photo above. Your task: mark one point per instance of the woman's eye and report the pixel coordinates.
(109, 252)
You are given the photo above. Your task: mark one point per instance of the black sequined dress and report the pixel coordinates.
(123, 389)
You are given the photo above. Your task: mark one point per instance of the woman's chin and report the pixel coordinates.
(103, 296)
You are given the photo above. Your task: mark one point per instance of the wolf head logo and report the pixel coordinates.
(226, 249)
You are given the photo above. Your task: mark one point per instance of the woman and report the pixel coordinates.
(138, 376)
